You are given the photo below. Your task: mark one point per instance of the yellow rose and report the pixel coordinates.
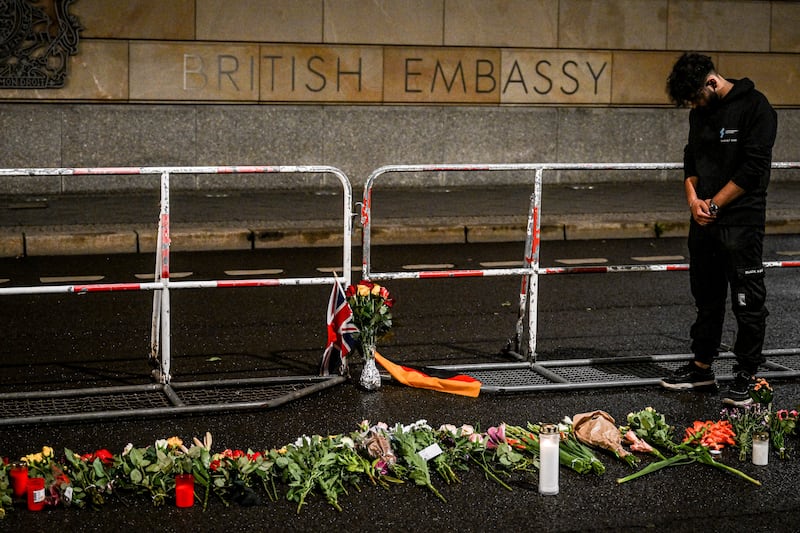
(174, 442)
(282, 450)
(47, 451)
(376, 290)
(363, 290)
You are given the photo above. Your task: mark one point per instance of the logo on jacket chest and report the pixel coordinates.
(728, 135)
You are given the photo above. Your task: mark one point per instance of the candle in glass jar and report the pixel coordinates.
(184, 490)
(19, 480)
(761, 449)
(35, 493)
(548, 459)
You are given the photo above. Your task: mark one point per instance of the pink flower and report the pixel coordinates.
(496, 436)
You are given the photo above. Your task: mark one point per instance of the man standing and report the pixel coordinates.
(727, 159)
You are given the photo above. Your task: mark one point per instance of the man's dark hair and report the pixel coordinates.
(687, 78)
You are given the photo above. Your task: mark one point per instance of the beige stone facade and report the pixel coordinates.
(358, 84)
(533, 52)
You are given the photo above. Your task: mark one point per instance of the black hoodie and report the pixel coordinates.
(731, 140)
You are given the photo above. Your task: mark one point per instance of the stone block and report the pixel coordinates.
(455, 75)
(769, 72)
(290, 21)
(358, 140)
(136, 19)
(742, 26)
(416, 22)
(80, 242)
(32, 139)
(639, 78)
(198, 239)
(11, 245)
(118, 135)
(555, 77)
(194, 71)
(98, 72)
(784, 36)
(260, 135)
(612, 24)
(498, 135)
(295, 73)
(788, 138)
(512, 23)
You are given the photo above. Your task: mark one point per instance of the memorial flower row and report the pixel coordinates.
(379, 455)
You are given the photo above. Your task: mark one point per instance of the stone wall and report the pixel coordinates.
(357, 84)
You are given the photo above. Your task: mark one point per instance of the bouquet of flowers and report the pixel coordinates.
(372, 315)
(372, 310)
(782, 423)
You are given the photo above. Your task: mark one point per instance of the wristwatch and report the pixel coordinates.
(713, 208)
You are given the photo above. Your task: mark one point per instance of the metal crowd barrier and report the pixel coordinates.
(186, 397)
(528, 374)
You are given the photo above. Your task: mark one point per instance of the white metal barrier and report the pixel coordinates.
(531, 270)
(160, 334)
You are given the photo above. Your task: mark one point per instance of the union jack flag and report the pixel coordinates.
(340, 333)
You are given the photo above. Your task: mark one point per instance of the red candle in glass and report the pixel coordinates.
(35, 493)
(184, 490)
(19, 480)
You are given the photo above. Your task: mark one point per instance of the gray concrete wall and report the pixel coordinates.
(355, 139)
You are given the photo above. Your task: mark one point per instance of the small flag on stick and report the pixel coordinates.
(340, 332)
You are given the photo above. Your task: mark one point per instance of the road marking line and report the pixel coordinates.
(331, 270)
(658, 258)
(69, 279)
(171, 275)
(500, 264)
(582, 261)
(431, 266)
(254, 272)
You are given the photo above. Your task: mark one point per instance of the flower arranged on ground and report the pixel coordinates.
(651, 425)
(372, 310)
(762, 392)
(746, 421)
(378, 454)
(781, 424)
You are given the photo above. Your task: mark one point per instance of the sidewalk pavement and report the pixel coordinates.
(125, 222)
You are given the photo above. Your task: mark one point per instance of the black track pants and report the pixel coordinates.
(723, 257)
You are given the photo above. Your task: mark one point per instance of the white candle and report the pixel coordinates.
(548, 460)
(761, 449)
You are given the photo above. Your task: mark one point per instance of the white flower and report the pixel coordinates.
(126, 450)
(161, 444)
(302, 441)
(450, 428)
(348, 442)
(466, 430)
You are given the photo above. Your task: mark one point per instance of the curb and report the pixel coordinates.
(64, 241)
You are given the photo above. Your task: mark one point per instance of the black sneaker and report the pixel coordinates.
(738, 393)
(689, 376)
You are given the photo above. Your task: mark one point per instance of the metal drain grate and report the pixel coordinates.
(43, 407)
(156, 400)
(609, 372)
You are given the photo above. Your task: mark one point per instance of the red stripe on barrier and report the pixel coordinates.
(677, 268)
(790, 263)
(451, 274)
(107, 287)
(250, 283)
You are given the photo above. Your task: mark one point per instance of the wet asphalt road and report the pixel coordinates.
(580, 316)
